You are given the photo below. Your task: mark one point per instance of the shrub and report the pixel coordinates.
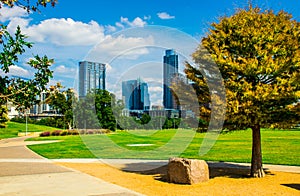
(90, 132)
(105, 131)
(73, 132)
(56, 133)
(45, 134)
(97, 131)
(82, 131)
(63, 133)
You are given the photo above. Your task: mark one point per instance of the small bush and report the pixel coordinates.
(105, 131)
(56, 133)
(90, 132)
(82, 131)
(45, 134)
(97, 131)
(73, 132)
(63, 133)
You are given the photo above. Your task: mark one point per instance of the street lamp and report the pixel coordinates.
(26, 116)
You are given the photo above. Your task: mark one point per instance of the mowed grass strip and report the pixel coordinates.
(278, 146)
(14, 128)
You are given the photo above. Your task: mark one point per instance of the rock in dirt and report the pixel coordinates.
(187, 171)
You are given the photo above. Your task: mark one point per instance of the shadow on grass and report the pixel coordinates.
(216, 169)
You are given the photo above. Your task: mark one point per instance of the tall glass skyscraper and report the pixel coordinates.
(135, 95)
(170, 69)
(91, 76)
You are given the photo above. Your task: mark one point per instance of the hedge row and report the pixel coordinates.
(74, 132)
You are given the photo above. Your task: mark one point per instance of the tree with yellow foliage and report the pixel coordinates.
(258, 55)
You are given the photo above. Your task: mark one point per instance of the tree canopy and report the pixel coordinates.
(258, 55)
(95, 111)
(62, 102)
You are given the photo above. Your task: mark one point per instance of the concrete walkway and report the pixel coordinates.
(22, 172)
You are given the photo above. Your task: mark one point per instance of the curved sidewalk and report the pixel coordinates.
(22, 172)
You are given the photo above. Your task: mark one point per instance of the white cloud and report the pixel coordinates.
(10, 13)
(66, 32)
(165, 16)
(110, 28)
(147, 17)
(18, 71)
(137, 22)
(15, 22)
(109, 68)
(121, 46)
(65, 71)
(118, 24)
(155, 89)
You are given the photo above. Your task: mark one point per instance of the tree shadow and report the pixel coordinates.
(216, 169)
(294, 186)
(159, 170)
(231, 170)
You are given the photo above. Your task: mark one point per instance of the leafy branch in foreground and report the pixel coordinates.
(20, 91)
(27, 4)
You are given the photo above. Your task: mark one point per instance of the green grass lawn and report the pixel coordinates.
(14, 128)
(278, 146)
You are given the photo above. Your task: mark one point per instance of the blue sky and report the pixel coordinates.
(126, 35)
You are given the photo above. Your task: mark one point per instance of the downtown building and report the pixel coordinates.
(91, 76)
(170, 70)
(172, 100)
(135, 95)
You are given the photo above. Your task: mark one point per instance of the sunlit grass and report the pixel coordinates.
(14, 128)
(278, 146)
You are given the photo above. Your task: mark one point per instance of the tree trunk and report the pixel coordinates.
(256, 161)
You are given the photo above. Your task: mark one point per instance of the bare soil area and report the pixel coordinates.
(223, 181)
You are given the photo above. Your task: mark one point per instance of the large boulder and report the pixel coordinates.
(187, 171)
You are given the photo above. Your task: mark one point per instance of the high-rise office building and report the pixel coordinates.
(135, 95)
(91, 76)
(170, 69)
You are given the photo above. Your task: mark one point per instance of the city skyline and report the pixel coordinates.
(72, 32)
(135, 93)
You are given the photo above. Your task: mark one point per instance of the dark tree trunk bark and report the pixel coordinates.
(256, 161)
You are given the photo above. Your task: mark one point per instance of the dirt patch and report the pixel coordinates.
(223, 181)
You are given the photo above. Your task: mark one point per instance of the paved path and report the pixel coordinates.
(22, 172)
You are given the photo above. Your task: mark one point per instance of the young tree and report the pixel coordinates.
(85, 113)
(95, 111)
(258, 55)
(62, 101)
(104, 111)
